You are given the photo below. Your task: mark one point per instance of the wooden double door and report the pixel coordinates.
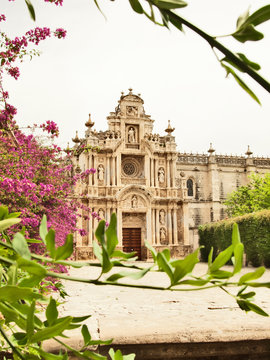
(132, 240)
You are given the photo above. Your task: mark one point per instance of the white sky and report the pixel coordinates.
(177, 74)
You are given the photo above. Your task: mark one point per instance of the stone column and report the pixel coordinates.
(95, 223)
(175, 237)
(153, 227)
(152, 172)
(169, 217)
(79, 225)
(119, 226)
(148, 226)
(90, 166)
(168, 173)
(118, 170)
(185, 223)
(173, 172)
(95, 166)
(113, 171)
(147, 170)
(157, 227)
(90, 234)
(107, 171)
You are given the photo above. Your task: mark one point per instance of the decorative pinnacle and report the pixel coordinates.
(211, 150)
(169, 129)
(249, 152)
(67, 150)
(76, 139)
(130, 91)
(89, 122)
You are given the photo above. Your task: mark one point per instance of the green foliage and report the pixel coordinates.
(22, 271)
(253, 197)
(254, 230)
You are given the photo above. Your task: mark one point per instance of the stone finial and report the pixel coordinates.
(249, 152)
(130, 91)
(139, 94)
(67, 150)
(89, 122)
(76, 140)
(211, 150)
(169, 129)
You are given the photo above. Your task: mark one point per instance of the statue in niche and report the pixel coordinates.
(101, 173)
(134, 202)
(163, 237)
(131, 135)
(101, 213)
(161, 175)
(162, 217)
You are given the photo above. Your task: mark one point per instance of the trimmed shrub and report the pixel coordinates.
(254, 231)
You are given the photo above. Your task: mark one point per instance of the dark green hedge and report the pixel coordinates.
(254, 231)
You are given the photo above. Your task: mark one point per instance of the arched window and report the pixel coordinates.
(190, 190)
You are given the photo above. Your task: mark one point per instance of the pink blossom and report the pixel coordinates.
(14, 72)
(60, 33)
(2, 17)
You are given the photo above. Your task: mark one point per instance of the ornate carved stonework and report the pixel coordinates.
(163, 236)
(132, 110)
(162, 217)
(161, 175)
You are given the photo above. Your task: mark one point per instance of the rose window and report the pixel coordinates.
(130, 168)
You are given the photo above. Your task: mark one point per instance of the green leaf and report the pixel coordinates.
(86, 335)
(136, 6)
(51, 331)
(32, 267)
(48, 356)
(241, 83)
(12, 275)
(210, 257)
(43, 231)
(92, 355)
(248, 306)
(252, 275)
(31, 9)
(30, 321)
(221, 274)
(250, 63)
(124, 255)
(30, 281)
(242, 19)
(7, 223)
(248, 295)
(14, 293)
(106, 262)
(167, 254)
(20, 245)
(78, 319)
(100, 232)
(169, 4)
(51, 312)
(66, 250)
(248, 33)
(165, 266)
(50, 242)
(235, 235)
(132, 275)
(111, 235)
(115, 355)
(221, 259)
(197, 282)
(97, 251)
(13, 215)
(153, 251)
(3, 212)
(259, 16)
(185, 266)
(238, 258)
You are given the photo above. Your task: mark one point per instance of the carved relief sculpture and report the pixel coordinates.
(134, 202)
(163, 237)
(131, 135)
(132, 111)
(162, 217)
(101, 213)
(100, 173)
(161, 175)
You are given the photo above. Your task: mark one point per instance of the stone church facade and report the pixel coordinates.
(159, 194)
